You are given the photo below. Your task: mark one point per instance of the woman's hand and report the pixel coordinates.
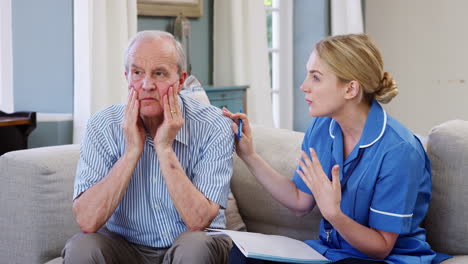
(133, 130)
(244, 145)
(172, 123)
(327, 193)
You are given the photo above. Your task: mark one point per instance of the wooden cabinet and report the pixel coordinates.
(231, 97)
(15, 129)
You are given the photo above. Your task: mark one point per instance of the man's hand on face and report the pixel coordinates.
(134, 131)
(172, 123)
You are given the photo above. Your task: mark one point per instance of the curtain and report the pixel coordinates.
(6, 58)
(346, 17)
(240, 53)
(101, 33)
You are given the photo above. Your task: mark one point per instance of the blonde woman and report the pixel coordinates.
(366, 172)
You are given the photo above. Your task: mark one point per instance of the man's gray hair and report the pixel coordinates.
(158, 34)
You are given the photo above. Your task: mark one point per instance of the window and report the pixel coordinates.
(279, 35)
(6, 65)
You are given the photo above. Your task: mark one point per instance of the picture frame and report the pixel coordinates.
(188, 8)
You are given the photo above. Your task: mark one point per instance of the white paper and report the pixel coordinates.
(272, 247)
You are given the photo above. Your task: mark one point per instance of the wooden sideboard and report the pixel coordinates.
(231, 97)
(15, 129)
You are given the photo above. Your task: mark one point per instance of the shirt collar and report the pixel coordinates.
(373, 129)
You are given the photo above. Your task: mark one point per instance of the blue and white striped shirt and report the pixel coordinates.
(146, 215)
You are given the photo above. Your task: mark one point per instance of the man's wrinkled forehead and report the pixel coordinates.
(153, 62)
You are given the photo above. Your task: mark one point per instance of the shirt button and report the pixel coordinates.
(154, 179)
(156, 206)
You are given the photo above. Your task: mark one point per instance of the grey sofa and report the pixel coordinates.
(36, 189)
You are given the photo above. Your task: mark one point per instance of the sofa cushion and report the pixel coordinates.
(234, 220)
(36, 216)
(447, 218)
(456, 260)
(58, 260)
(261, 213)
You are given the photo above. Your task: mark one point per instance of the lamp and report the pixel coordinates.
(182, 32)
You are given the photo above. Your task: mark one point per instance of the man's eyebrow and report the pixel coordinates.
(135, 66)
(160, 67)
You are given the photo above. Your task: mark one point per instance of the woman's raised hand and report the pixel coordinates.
(327, 193)
(244, 144)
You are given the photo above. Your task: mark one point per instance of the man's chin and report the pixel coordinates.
(150, 112)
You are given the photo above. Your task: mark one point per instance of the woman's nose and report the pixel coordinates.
(304, 87)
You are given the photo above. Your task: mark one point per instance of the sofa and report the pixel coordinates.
(36, 187)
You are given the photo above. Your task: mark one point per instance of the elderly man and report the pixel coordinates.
(155, 172)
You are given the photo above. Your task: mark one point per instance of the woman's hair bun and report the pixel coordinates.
(387, 89)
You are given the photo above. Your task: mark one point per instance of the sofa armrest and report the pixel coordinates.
(36, 188)
(446, 220)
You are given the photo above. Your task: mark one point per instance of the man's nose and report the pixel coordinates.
(148, 83)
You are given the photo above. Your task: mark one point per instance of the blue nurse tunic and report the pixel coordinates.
(389, 187)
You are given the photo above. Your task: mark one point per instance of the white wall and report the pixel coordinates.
(425, 47)
(42, 41)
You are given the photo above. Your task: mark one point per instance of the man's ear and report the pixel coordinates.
(182, 77)
(126, 75)
(353, 88)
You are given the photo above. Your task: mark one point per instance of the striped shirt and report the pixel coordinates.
(146, 215)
